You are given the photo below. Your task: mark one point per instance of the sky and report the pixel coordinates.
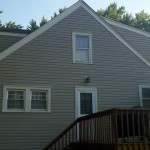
(22, 11)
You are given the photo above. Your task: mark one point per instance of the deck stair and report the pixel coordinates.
(114, 129)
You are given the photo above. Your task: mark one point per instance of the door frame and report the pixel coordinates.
(78, 90)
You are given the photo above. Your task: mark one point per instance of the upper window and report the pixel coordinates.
(145, 96)
(26, 99)
(82, 48)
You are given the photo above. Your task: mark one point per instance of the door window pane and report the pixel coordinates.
(146, 92)
(85, 103)
(146, 103)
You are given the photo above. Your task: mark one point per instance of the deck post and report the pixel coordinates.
(115, 129)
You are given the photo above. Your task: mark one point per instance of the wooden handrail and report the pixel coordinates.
(78, 120)
(101, 128)
(61, 134)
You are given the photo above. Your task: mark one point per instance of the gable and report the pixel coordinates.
(54, 21)
(45, 62)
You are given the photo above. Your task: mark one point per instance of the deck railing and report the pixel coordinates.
(114, 129)
(132, 129)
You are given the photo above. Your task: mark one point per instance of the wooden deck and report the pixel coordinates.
(114, 129)
(134, 147)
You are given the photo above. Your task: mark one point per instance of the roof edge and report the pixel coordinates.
(130, 28)
(13, 34)
(39, 31)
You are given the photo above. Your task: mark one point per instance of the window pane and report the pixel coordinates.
(39, 99)
(15, 104)
(85, 103)
(146, 92)
(15, 99)
(38, 104)
(82, 55)
(82, 41)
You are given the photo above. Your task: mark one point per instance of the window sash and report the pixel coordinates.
(39, 99)
(15, 99)
(145, 97)
(82, 55)
(82, 48)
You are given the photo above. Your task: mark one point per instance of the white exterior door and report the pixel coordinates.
(86, 101)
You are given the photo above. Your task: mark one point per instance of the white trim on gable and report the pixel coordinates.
(127, 27)
(117, 35)
(39, 31)
(13, 34)
(78, 4)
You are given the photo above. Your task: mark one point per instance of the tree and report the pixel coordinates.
(142, 21)
(0, 20)
(61, 10)
(43, 21)
(12, 25)
(128, 19)
(32, 25)
(112, 12)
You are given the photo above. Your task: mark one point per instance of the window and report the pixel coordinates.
(39, 99)
(82, 48)
(145, 96)
(26, 99)
(16, 99)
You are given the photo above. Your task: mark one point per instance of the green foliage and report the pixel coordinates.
(61, 10)
(32, 25)
(12, 25)
(128, 19)
(140, 21)
(112, 12)
(43, 21)
(0, 20)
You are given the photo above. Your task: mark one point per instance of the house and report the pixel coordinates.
(76, 64)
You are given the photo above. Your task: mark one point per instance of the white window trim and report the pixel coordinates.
(140, 93)
(27, 103)
(74, 47)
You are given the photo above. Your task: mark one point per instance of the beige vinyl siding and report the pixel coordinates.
(47, 61)
(6, 41)
(140, 42)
